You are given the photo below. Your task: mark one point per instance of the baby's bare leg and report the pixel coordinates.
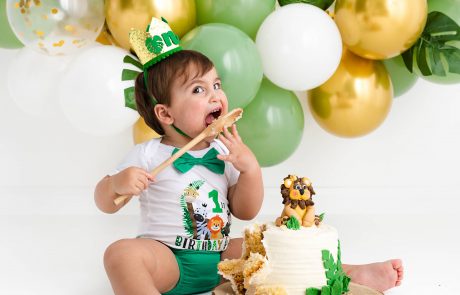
(380, 276)
(233, 250)
(140, 266)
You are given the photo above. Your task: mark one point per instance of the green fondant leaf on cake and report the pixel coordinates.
(293, 223)
(313, 291)
(339, 254)
(337, 280)
(336, 277)
(331, 276)
(321, 217)
(346, 283)
(337, 288)
(326, 290)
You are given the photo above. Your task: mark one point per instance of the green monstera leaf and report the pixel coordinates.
(154, 44)
(437, 51)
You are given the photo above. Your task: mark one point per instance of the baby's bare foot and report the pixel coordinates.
(380, 276)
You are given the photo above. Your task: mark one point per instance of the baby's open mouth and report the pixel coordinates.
(213, 115)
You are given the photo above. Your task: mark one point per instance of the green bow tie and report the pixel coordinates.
(209, 160)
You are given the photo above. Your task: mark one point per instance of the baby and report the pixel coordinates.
(186, 209)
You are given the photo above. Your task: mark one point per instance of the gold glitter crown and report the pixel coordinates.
(154, 44)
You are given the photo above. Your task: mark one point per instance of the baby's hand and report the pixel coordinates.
(131, 181)
(240, 155)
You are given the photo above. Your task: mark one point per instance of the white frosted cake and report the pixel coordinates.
(287, 257)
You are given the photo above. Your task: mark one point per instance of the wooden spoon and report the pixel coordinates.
(212, 130)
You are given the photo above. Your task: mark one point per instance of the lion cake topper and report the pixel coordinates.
(299, 210)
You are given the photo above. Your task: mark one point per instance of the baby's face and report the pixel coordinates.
(196, 102)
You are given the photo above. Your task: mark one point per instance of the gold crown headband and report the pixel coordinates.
(154, 44)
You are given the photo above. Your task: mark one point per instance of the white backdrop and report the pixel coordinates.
(392, 193)
(416, 151)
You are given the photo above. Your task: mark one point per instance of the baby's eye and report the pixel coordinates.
(198, 89)
(217, 86)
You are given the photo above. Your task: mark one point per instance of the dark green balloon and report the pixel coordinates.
(246, 15)
(323, 4)
(7, 37)
(401, 78)
(272, 124)
(235, 57)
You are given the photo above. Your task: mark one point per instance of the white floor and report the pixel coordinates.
(42, 254)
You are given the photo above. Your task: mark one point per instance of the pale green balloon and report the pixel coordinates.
(246, 15)
(235, 57)
(272, 124)
(323, 4)
(401, 78)
(7, 37)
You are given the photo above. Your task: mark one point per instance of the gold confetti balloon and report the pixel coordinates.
(122, 15)
(142, 132)
(380, 29)
(56, 27)
(355, 100)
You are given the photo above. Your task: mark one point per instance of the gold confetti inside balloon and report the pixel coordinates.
(380, 29)
(56, 27)
(355, 100)
(122, 15)
(142, 132)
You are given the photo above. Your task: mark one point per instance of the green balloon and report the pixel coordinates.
(7, 37)
(235, 57)
(401, 78)
(272, 124)
(246, 15)
(449, 7)
(452, 9)
(323, 4)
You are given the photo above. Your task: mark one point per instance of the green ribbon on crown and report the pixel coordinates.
(209, 160)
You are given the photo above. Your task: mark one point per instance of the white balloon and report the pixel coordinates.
(33, 79)
(91, 92)
(300, 46)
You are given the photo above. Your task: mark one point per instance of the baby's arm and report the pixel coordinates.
(246, 196)
(130, 181)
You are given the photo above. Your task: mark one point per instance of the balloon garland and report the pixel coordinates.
(262, 51)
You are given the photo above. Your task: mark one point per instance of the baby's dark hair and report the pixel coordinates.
(160, 78)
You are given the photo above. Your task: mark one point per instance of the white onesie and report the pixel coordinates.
(183, 211)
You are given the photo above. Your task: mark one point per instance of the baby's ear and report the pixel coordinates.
(163, 115)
